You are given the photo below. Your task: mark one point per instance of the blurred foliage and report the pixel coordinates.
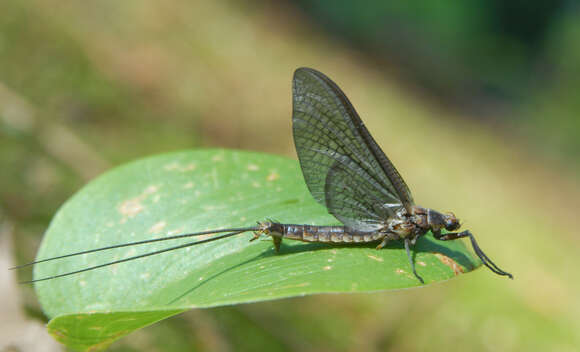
(515, 62)
(88, 85)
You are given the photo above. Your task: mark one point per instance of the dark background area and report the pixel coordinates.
(514, 63)
(475, 102)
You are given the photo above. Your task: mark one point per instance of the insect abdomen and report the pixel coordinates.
(328, 234)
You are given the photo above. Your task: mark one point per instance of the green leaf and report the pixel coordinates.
(193, 191)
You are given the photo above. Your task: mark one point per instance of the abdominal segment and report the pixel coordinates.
(328, 234)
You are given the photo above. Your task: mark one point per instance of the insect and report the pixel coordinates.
(348, 173)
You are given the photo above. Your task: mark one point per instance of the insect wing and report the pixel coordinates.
(349, 200)
(343, 166)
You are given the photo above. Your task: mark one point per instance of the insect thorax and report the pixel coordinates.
(416, 224)
(429, 219)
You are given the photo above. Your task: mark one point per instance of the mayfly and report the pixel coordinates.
(348, 173)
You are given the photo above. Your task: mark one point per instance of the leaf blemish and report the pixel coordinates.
(131, 207)
(303, 284)
(189, 167)
(375, 258)
(188, 185)
(457, 269)
(175, 166)
(422, 263)
(273, 176)
(172, 166)
(150, 190)
(328, 267)
(157, 227)
(400, 271)
(176, 231)
(253, 167)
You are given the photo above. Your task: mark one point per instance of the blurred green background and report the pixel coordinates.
(476, 103)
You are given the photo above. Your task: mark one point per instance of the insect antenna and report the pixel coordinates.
(231, 232)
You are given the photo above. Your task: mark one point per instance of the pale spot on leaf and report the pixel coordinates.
(375, 258)
(134, 206)
(303, 284)
(253, 167)
(151, 189)
(157, 227)
(328, 267)
(188, 185)
(131, 207)
(171, 166)
(273, 176)
(175, 166)
(176, 231)
(189, 167)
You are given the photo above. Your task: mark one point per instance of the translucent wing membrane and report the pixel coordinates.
(349, 200)
(336, 151)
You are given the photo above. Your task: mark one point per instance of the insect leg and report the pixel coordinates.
(277, 242)
(450, 236)
(482, 256)
(411, 260)
(271, 229)
(384, 242)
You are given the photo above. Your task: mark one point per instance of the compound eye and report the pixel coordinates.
(451, 224)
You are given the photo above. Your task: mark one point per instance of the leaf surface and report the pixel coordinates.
(193, 191)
